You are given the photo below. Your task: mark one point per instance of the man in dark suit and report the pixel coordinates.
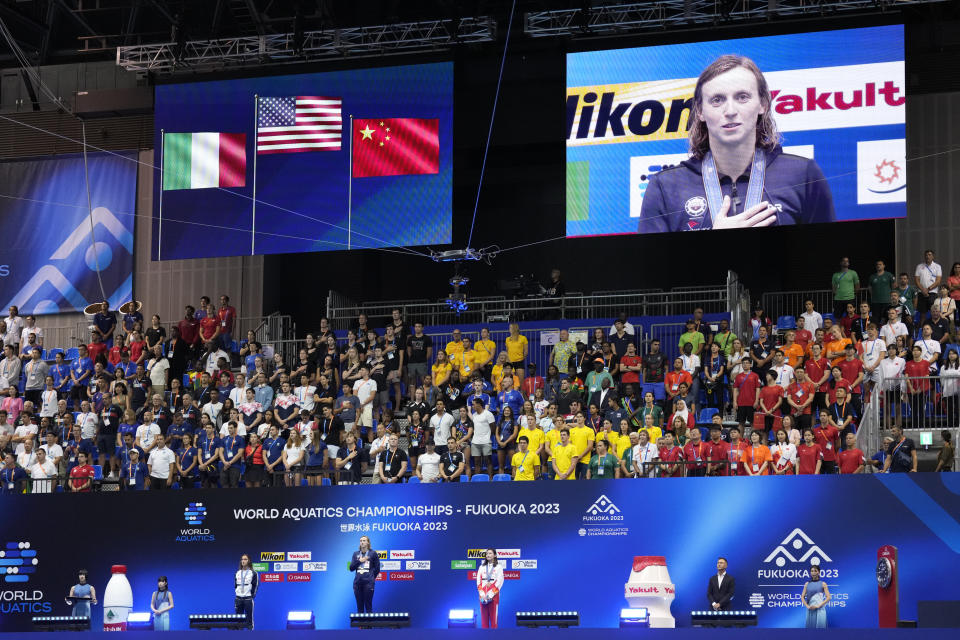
(720, 587)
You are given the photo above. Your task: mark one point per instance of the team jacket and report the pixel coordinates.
(675, 199)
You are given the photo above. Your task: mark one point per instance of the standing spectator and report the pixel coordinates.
(746, 389)
(881, 282)
(480, 443)
(812, 319)
(844, 285)
(30, 328)
(800, 396)
(81, 476)
(654, 368)
(758, 459)
(428, 464)
(485, 351)
(944, 304)
(392, 462)
(619, 338)
(133, 473)
(582, 437)
(929, 347)
(927, 276)
(692, 337)
(758, 320)
(36, 374)
(294, 459)
(784, 454)
(43, 473)
(950, 387)
(189, 328)
(518, 349)
(14, 324)
(803, 336)
(563, 351)
(673, 380)
(918, 387)
(604, 465)
(893, 328)
(945, 457)
(158, 367)
(419, 354)
(907, 295)
(162, 465)
(826, 434)
(851, 459)
(809, 455)
(953, 286)
(768, 402)
(10, 368)
(227, 316)
(901, 453)
(762, 352)
(105, 323)
(564, 457)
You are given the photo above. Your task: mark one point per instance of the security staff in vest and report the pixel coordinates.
(720, 588)
(366, 564)
(245, 589)
(738, 175)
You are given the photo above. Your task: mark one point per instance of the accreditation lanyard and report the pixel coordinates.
(711, 183)
(840, 412)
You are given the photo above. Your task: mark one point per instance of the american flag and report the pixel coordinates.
(298, 123)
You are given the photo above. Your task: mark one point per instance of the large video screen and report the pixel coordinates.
(309, 162)
(825, 142)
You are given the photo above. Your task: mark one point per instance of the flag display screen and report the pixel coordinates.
(310, 162)
(812, 124)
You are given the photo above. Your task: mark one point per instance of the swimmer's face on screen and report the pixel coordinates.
(731, 107)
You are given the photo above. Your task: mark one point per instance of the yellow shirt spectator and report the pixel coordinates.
(441, 373)
(467, 364)
(581, 437)
(486, 351)
(535, 438)
(564, 458)
(612, 438)
(516, 348)
(524, 464)
(455, 349)
(655, 433)
(623, 443)
(551, 438)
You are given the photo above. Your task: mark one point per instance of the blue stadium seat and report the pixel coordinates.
(72, 353)
(325, 482)
(97, 472)
(413, 480)
(186, 381)
(502, 477)
(53, 353)
(464, 479)
(786, 322)
(659, 393)
(480, 477)
(828, 315)
(706, 415)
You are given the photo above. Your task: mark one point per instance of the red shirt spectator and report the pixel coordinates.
(699, 452)
(189, 330)
(227, 315)
(672, 454)
(747, 385)
(627, 376)
(209, 328)
(113, 356)
(769, 396)
(80, 475)
(832, 390)
(673, 379)
(803, 338)
(531, 384)
(808, 456)
(256, 452)
(136, 350)
(815, 371)
(851, 371)
(916, 369)
(95, 350)
(801, 392)
(737, 455)
(826, 437)
(851, 460)
(718, 451)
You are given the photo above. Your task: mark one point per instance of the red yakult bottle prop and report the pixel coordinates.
(649, 586)
(117, 600)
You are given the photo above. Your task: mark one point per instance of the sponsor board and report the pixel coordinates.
(523, 564)
(403, 576)
(463, 564)
(650, 590)
(272, 556)
(314, 566)
(381, 577)
(418, 565)
(298, 555)
(260, 567)
(787, 566)
(382, 554)
(881, 171)
(501, 553)
(402, 555)
(298, 577)
(507, 575)
(271, 577)
(285, 566)
(389, 565)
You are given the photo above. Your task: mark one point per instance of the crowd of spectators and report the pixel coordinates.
(140, 409)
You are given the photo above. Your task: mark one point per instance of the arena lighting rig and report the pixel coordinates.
(457, 301)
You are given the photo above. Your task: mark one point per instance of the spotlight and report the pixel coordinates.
(388, 620)
(634, 618)
(462, 619)
(61, 623)
(562, 619)
(300, 620)
(711, 618)
(139, 621)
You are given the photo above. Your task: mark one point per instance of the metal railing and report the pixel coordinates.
(730, 297)
(790, 303)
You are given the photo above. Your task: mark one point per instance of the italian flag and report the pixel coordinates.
(204, 160)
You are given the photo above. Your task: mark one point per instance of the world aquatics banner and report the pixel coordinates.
(838, 98)
(49, 262)
(563, 545)
(287, 142)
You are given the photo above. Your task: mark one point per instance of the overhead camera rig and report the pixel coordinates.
(457, 301)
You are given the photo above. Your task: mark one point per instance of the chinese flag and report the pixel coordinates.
(395, 147)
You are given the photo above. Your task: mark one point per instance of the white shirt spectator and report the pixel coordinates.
(225, 429)
(889, 332)
(43, 472)
(214, 358)
(15, 328)
(930, 350)
(927, 274)
(305, 397)
(27, 460)
(146, 433)
(950, 381)
(785, 375)
(26, 331)
(296, 455)
(482, 423)
(627, 328)
(429, 465)
(54, 451)
(238, 395)
(88, 424)
(546, 423)
(441, 426)
(7, 338)
(788, 454)
(890, 371)
(735, 364)
(48, 404)
(364, 390)
(642, 454)
(159, 462)
(25, 431)
(9, 372)
(158, 371)
(812, 321)
(215, 410)
(873, 350)
(690, 363)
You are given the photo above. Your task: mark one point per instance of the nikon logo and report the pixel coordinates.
(476, 553)
(272, 556)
